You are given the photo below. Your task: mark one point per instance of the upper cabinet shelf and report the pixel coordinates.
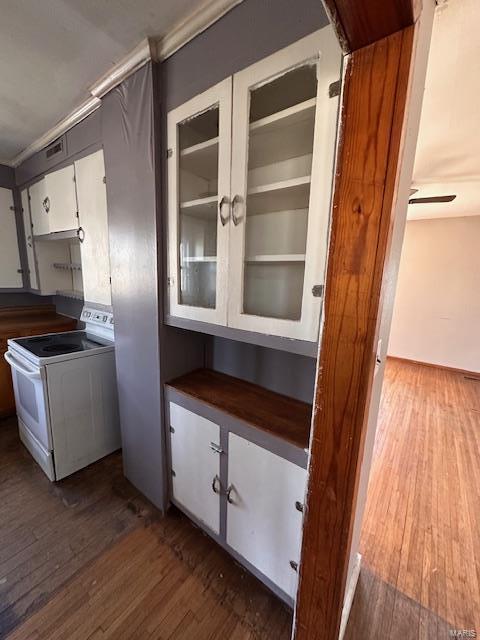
(249, 181)
(201, 159)
(285, 195)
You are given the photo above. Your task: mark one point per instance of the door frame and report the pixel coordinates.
(385, 69)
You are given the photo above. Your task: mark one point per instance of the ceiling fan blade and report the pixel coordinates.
(432, 199)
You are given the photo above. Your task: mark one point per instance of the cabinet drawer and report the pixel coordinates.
(195, 465)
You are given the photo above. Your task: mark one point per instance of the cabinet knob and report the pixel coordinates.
(215, 447)
(80, 234)
(46, 204)
(229, 494)
(299, 506)
(294, 565)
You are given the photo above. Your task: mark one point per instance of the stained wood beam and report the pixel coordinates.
(374, 102)
(359, 23)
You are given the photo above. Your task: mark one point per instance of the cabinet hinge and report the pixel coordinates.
(173, 473)
(294, 565)
(317, 290)
(110, 279)
(77, 214)
(19, 270)
(12, 209)
(334, 89)
(299, 506)
(170, 281)
(169, 153)
(104, 179)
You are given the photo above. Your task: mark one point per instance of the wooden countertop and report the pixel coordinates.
(14, 320)
(272, 412)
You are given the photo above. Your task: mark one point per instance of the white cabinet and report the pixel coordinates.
(61, 199)
(10, 268)
(92, 212)
(28, 231)
(199, 134)
(38, 208)
(249, 183)
(263, 524)
(195, 465)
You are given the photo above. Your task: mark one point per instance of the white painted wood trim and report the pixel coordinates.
(76, 116)
(348, 601)
(197, 21)
(127, 65)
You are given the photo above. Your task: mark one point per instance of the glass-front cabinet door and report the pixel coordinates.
(199, 143)
(284, 125)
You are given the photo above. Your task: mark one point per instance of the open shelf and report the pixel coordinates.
(274, 413)
(75, 295)
(279, 196)
(70, 234)
(282, 258)
(201, 159)
(200, 208)
(194, 259)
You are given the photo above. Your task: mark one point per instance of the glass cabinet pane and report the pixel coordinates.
(280, 148)
(197, 214)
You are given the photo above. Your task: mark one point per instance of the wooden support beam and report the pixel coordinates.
(374, 103)
(359, 23)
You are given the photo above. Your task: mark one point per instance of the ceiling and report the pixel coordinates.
(52, 51)
(448, 159)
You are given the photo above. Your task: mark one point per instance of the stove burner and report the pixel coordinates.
(62, 348)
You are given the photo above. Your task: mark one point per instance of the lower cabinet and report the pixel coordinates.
(195, 465)
(263, 524)
(249, 498)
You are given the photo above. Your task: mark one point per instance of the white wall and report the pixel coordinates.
(436, 315)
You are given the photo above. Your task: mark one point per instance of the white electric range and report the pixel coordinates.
(66, 394)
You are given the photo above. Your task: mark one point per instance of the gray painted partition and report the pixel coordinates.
(128, 138)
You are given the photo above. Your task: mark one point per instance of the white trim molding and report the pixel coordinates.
(192, 25)
(124, 68)
(149, 49)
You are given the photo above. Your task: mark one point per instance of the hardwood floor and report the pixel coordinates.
(421, 533)
(89, 559)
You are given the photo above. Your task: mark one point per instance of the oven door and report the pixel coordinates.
(29, 384)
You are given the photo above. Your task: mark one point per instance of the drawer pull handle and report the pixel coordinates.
(299, 506)
(294, 565)
(216, 486)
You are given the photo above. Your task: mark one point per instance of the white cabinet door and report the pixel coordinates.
(38, 211)
(61, 199)
(263, 524)
(199, 142)
(27, 227)
(10, 274)
(92, 213)
(283, 142)
(195, 465)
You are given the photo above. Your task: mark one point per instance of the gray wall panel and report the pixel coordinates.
(23, 299)
(287, 373)
(127, 131)
(7, 177)
(249, 32)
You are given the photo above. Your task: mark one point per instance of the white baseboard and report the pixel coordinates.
(347, 603)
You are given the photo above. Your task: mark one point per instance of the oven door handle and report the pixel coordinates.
(16, 365)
